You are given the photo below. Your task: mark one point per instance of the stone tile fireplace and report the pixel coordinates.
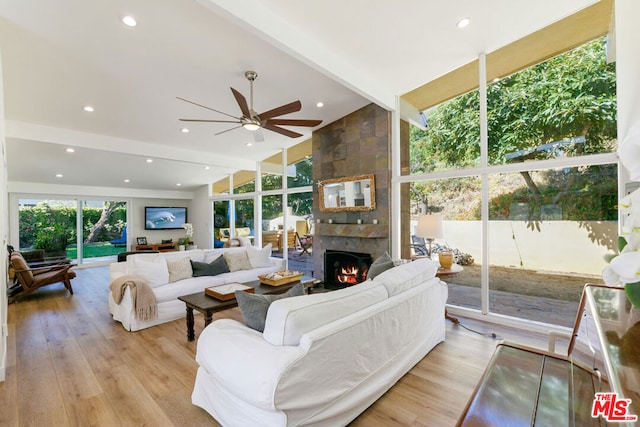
(356, 144)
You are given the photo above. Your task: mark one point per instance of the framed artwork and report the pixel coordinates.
(142, 240)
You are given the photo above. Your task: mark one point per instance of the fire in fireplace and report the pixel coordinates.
(342, 269)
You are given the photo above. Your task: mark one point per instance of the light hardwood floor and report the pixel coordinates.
(70, 364)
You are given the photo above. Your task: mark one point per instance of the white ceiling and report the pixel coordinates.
(58, 56)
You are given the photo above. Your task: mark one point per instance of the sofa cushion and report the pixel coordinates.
(287, 320)
(193, 254)
(215, 267)
(382, 263)
(152, 267)
(259, 257)
(405, 276)
(254, 307)
(237, 260)
(179, 269)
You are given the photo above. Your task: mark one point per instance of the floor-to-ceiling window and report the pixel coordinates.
(525, 176)
(88, 231)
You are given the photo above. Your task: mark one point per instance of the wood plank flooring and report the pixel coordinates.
(70, 364)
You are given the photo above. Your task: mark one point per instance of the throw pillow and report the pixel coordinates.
(259, 257)
(152, 268)
(237, 260)
(215, 267)
(254, 307)
(381, 264)
(179, 269)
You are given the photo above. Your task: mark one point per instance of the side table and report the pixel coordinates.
(445, 273)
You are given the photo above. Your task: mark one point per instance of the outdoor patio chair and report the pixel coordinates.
(32, 278)
(306, 243)
(122, 240)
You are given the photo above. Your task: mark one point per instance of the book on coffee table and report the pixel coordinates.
(227, 291)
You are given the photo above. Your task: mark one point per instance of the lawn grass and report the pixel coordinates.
(92, 250)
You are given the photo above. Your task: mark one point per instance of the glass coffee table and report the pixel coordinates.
(208, 305)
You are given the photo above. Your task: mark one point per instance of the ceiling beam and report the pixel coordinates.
(256, 17)
(33, 132)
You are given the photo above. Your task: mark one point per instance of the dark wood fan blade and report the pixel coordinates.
(283, 131)
(242, 102)
(210, 121)
(279, 111)
(295, 122)
(224, 131)
(208, 108)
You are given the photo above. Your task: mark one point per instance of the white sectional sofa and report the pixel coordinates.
(168, 306)
(322, 358)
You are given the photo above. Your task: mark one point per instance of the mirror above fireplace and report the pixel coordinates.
(351, 193)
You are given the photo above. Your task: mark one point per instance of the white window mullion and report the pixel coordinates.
(484, 162)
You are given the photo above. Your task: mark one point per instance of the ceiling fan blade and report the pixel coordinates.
(295, 122)
(258, 136)
(227, 130)
(242, 102)
(208, 108)
(279, 111)
(283, 131)
(210, 121)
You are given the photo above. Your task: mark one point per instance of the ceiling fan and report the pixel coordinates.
(253, 121)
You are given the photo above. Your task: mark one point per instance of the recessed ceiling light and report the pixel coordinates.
(178, 184)
(149, 160)
(184, 130)
(88, 109)
(463, 22)
(320, 104)
(129, 21)
(207, 168)
(127, 180)
(70, 150)
(249, 144)
(59, 175)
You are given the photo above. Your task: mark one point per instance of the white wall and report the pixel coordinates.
(559, 246)
(202, 218)
(4, 237)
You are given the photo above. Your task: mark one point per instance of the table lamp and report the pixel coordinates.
(430, 227)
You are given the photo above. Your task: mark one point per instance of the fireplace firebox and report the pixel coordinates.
(342, 269)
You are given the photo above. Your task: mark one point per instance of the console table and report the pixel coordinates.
(160, 247)
(525, 387)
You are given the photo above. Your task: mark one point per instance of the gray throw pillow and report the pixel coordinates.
(254, 307)
(215, 267)
(383, 263)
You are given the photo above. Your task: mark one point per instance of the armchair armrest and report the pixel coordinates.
(227, 350)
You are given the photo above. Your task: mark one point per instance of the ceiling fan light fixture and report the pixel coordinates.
(251, 126)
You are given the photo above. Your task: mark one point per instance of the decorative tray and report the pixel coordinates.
(280, 278)
(227, 291)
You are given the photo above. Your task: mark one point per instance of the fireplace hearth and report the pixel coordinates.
(343, 269)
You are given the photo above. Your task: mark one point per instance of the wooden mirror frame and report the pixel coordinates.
(348, 179)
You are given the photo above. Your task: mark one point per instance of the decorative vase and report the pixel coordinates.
(446, 259)
(181, 247)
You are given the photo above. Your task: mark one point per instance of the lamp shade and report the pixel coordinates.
(430, 227)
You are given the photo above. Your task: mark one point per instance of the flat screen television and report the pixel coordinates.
(164, 218)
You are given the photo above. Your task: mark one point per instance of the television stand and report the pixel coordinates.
(160, 247)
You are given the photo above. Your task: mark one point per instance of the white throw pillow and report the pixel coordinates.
(210, 256)
(179, 269)
(260, 257)
(152, 267)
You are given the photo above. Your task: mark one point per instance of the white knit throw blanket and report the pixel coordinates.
(142, 296)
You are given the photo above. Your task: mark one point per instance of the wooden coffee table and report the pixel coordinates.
(208, 305)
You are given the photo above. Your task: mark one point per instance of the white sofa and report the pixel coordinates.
(167, 293)
(322, 358)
